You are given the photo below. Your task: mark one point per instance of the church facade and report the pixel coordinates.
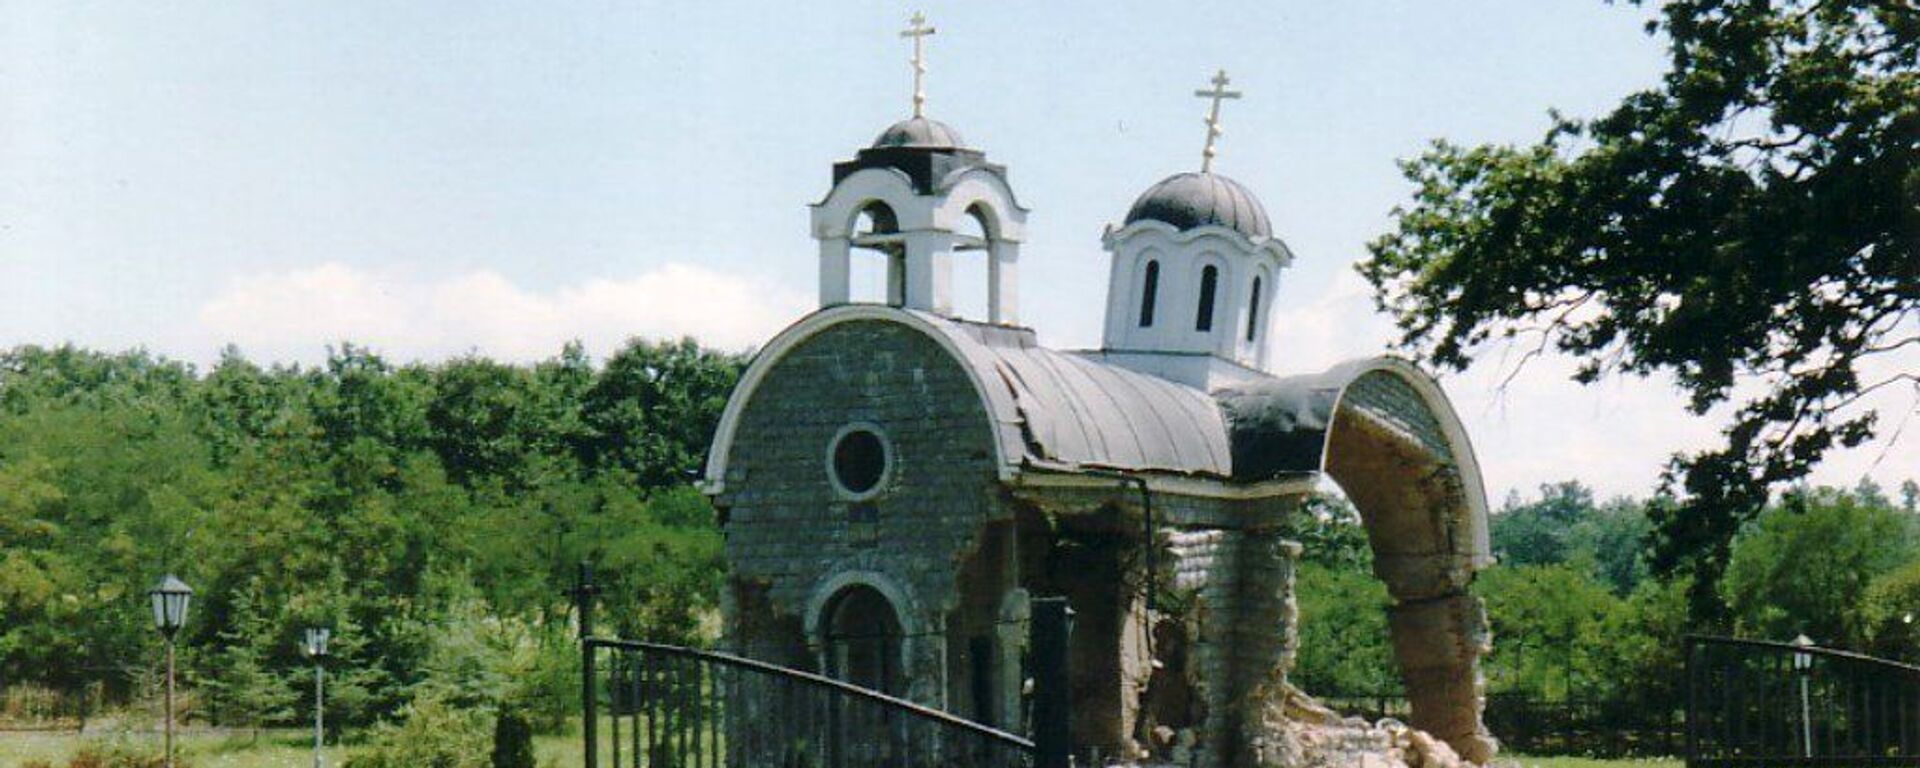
(895, 483)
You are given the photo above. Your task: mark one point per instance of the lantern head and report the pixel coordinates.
(170, 600)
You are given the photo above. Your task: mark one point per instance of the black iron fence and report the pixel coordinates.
(671, 706)
(648, 705)
(1603, 728)
(1762, 704)
(1606, 728)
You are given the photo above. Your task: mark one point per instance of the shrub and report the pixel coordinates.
(512, 740)
(115, 757)
(434, 734)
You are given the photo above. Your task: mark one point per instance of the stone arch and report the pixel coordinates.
(834, 216)
(885, 220)
(826, 616)
(978, 188)
(1396, 448)
(861, 640)
(984, 197)
(884, 223)
(975, 238)
(1384, 431)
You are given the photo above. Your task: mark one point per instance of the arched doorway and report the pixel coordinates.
(862, 640)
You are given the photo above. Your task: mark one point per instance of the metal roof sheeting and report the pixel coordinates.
(1075, 411)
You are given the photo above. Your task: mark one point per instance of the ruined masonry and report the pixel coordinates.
(896, 483)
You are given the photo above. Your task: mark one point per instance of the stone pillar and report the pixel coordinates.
(1243, 621)
(1438, 643)
(835, 280)
(929, 284)
(1266, 638)
(1003, 283)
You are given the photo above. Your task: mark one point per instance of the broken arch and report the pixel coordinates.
(1384, 432)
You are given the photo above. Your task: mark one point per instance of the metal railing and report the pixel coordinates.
(664, 706)
(671, 706)
(1762, 704)
(1624, 727)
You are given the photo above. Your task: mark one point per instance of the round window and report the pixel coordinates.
(859, 461)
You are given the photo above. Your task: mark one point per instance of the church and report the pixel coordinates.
(896, 483)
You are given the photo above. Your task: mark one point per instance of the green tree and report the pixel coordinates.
(431, 514)
(1638, 648)
(1549, 625)
(1749, 221)
(1889, 614)
(1541, 532)
(1614, 538)
(1330, 533)
(653, 409)
(1344, 645)
(1805, 564)
(249, 689)
(1565, 526)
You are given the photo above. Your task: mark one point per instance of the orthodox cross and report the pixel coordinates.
(918, 30)
(1218, 93)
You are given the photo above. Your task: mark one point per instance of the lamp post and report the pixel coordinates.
(316, 649)
(1803, 668)
(170, 599)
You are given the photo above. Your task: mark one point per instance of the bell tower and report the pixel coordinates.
(1195, 269)
(915, 197)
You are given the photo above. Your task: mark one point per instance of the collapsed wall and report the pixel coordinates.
(1201, 679)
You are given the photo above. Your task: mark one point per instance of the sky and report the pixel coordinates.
(439, 178)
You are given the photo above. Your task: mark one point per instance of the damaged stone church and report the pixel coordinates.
(896, 483)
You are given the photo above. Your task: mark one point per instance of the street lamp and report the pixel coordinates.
(316, 649)
(170, 599)
(1803, 668)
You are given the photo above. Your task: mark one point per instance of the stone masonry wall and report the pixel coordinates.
(1241, 618)
(787, 530)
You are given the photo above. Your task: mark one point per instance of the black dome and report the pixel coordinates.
(922, 133)
(1190, 200)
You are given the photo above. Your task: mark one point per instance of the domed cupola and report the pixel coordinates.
(920, 133)
(920, 198)
(1195, 268)
(1193, 200)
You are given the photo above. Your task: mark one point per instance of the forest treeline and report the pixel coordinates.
(1577, 614)
(432, 515)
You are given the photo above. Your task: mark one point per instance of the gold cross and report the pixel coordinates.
(1218, 93)
(918, 30)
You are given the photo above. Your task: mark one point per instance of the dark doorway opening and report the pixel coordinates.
(863, 640)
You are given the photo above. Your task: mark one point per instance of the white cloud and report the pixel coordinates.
(1337, 324)
(294, 315)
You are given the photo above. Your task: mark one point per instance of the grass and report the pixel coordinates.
(1524, 761)
(223, 749)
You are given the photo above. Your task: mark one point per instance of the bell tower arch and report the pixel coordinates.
(921, 199)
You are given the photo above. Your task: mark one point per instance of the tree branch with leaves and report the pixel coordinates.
(1750, 227)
